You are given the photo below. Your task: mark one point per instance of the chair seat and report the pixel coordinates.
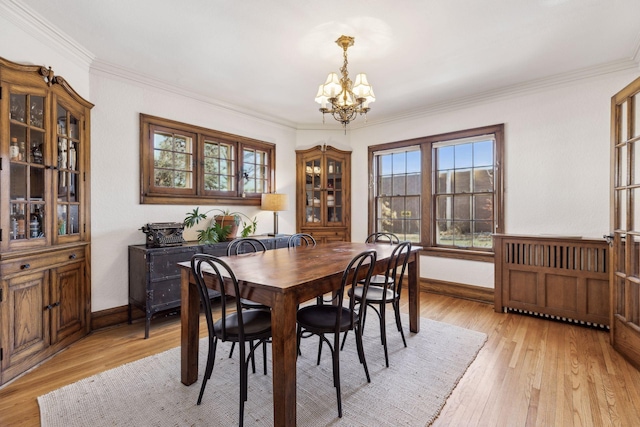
(380, 280)
(247, 303)
(257, 325)
(322, 318)
(374, 294)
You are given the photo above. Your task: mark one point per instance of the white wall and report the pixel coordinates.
(25, 42)
(556, 162)
(556, 156)
(116, 211)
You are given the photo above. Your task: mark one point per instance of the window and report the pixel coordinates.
(397, 199)
(184, 164)
(463, 192)
(443, 191)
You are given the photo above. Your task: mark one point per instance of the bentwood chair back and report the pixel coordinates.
(334, 319)
(382, 237)
(301, 239)
(386, 292)
(239, 246)
(243, 245)
(235, 324)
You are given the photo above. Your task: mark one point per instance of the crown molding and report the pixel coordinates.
(636, 52)
(33, 23)
(131, 76)
(530, 87)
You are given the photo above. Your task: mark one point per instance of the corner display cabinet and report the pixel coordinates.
(323, 193)
(44, 216)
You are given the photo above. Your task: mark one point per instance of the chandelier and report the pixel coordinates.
(346, 99)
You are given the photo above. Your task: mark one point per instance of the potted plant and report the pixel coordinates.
(224, 225)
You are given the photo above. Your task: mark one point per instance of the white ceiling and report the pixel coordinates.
(269, 57)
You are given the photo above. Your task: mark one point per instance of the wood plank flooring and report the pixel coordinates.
(530, 372)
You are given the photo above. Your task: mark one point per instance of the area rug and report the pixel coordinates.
(148, 392)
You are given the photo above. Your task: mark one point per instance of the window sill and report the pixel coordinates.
(199, 200)
(458, 254)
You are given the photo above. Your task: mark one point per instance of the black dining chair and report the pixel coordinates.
(382, 237)
(243, 245)
(386, 292)
(235, 324)
(301, 239)
(239, 246)
(324, 319)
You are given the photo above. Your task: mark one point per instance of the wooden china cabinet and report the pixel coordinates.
(323, 193)
(44, 216)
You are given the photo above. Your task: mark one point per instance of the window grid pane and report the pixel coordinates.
(172, 154)
(463, 194)
(219, 166)
(254, 171)
(397, 198)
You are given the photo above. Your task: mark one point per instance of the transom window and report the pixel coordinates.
(172, 159)
(255, 169)
(187, 164)
(219, 166)
(442, 191)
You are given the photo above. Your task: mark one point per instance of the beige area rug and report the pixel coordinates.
(148, 392)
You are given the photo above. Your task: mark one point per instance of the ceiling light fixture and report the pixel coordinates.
(346, 99)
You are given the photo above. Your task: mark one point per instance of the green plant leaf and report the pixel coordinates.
(193, 218)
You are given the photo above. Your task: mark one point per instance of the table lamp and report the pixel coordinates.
(274, 202)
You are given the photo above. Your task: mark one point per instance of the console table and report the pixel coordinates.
(154, 275)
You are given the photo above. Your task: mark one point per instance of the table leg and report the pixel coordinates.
(190, 328)
(284, 355)
(414, 292)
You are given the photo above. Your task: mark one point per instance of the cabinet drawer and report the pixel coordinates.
(326, 233)
(43, 260)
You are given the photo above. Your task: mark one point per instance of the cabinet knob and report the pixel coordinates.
(56, 304)
(48, 307)
(72, 256)
(25, 266)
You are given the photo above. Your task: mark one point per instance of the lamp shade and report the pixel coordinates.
(320, 97)
(332, 86)
(361, 87)
(274, 202)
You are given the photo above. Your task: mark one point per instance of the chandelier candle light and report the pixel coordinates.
(346, 99)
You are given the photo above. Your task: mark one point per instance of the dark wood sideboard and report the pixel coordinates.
(154, 276)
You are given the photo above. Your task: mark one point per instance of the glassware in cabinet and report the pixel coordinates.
(68, 197)
(27, 170)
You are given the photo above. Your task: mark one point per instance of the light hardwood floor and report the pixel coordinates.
(530, 372)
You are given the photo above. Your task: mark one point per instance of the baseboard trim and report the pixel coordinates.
(113, 317)
(457, 290)
(118, 315)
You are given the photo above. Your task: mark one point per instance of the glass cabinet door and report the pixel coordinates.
(27, 151)
(68, 151)
(334, 207)
(313, 190)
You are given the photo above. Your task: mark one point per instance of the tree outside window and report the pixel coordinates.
(184, 164)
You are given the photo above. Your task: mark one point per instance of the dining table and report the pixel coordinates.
(282, 279)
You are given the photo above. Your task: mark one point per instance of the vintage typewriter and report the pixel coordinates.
(162, 234)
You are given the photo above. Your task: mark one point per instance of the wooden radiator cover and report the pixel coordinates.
(564, 278)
